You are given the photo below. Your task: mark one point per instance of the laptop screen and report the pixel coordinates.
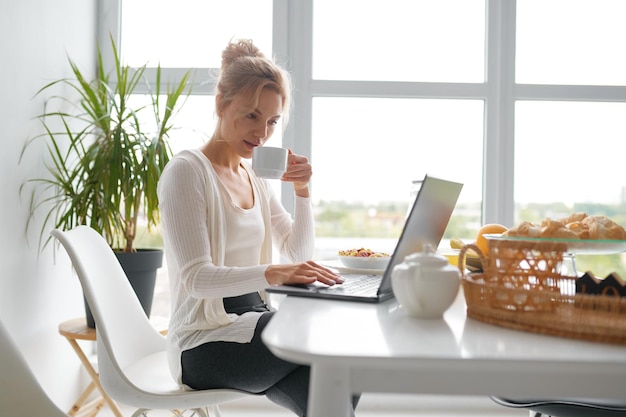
(426, 222)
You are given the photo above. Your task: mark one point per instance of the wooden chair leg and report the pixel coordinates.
(94, 377)
(91, 408)
(81, 399)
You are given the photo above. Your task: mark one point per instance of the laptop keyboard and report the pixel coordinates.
(358, 285)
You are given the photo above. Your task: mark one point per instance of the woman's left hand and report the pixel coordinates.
(299, 172)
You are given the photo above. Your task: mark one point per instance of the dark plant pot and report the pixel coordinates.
(140, 268)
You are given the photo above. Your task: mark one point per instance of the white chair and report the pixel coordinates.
(567, 407)
(131, 353)
(20, 392)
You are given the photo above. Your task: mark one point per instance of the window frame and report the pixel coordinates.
(293, 43)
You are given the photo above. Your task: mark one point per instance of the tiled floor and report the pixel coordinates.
(374, 405)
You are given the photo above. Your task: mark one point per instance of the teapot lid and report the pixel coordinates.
(427, 256)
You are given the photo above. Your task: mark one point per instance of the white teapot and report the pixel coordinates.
(425, 284)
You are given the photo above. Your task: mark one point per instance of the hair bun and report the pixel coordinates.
(239, 49)
(247, 71)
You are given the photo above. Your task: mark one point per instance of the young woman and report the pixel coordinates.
(220, 223)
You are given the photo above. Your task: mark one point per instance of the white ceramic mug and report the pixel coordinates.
(269, 162)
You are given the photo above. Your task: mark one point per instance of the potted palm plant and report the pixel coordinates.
(105, 161)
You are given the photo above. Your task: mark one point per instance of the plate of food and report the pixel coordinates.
(338, 266)
(364, 259)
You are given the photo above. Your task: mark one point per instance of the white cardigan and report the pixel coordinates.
(193, 226)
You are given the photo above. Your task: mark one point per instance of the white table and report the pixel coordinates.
(358, 347)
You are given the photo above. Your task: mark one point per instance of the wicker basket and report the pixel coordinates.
(521, 288)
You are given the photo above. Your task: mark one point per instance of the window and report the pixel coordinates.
(571, 42)
(523, 101)
(373, 148)
(406, 40)
(579, 144)
(191, 33)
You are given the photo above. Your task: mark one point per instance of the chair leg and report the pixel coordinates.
(200, 412)
(215, 411)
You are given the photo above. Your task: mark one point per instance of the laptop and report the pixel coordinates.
(425, 224)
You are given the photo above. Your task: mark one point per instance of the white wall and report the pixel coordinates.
(37, 292)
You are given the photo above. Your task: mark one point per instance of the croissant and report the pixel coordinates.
(526, 229)
(555, 229)
(601, 227)
(574, 218)
(581, 230)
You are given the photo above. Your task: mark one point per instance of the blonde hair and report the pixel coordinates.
(245, 70)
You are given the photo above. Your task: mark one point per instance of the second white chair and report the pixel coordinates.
(20, 391)
(131, 353)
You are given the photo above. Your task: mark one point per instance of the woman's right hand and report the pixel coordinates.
(301, 273)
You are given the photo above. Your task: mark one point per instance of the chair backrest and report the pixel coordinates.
(20, 392)
(122, 327)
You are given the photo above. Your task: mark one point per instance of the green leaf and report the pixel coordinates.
(103, 165)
